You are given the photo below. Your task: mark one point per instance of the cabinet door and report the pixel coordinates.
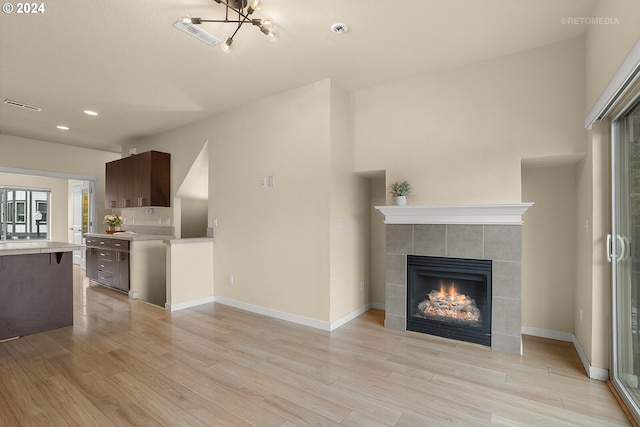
(153, 179)
(92, 263)
(126, 180)
(111, 189)
(122, 271)
(142, 179)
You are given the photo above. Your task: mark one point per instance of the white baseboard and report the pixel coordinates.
(548, 333)
(593, 372)
(377, 305)
(349, 317)
(300, 320)
(187, 304)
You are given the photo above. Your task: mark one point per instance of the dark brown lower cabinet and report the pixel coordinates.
(108, 262)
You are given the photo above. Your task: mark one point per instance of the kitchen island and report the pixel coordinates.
(129, 262)
(36, 287)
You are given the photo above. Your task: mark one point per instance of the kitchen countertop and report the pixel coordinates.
(36, 247)
(186, 240)
(126, 235)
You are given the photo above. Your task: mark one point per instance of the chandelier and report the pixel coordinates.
(238, 12)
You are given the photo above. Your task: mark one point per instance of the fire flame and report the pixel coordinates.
(448, 303)
(451, 292)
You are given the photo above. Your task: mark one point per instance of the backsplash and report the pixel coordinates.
(156, 217)
(161, 230)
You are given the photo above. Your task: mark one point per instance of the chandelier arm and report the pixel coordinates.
(224, 21)
(238, 11)
(239, 25)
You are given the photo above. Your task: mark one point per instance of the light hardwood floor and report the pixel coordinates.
(127, 363)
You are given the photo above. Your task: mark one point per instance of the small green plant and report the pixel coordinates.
(400, 188)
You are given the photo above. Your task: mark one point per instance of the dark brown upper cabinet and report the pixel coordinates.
(139, 180)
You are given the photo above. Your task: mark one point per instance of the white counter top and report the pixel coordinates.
(188, 240)
(125, 235)
(38, 247)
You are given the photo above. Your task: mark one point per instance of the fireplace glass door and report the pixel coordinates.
(449, 297)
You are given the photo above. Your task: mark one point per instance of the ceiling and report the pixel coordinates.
(125, 60)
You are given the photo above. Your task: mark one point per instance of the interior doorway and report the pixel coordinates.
(81, 223)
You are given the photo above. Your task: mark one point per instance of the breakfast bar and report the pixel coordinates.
(36, 287)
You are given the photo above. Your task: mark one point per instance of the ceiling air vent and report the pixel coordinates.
(22, 105)
(197, 32)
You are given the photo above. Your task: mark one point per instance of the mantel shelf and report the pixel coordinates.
(493, 214)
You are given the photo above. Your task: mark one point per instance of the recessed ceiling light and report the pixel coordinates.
(90, 113)
(62, 127)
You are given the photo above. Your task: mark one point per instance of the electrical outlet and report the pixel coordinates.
(271, 181)
(230, 279)
(263, 181)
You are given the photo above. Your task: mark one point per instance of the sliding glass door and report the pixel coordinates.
(625, 257)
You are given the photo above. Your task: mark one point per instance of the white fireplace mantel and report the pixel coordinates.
(494, 214)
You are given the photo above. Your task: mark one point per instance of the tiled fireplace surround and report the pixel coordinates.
(492, 232)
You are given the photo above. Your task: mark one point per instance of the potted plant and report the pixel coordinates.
(400, 190)
(114, 222)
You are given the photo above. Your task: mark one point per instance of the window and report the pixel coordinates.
(20, 209)
(24, 213)
(41, 208)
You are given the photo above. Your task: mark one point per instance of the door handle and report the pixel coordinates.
(625, 248)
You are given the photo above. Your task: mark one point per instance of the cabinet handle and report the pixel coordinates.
(139, 201)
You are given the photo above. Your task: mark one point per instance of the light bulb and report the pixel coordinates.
(267, 23)
(186, 19)
(268, 33)
(255, 5)
(226, 46)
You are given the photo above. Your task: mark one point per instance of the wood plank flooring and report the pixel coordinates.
(127, 363)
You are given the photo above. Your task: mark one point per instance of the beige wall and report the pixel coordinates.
(549, 248)
(609, 45)
(189, 271)
(301, 246)
(274, 241)
(595, 293)
(459, 136)
(349, 216)
(584, 253)
(378, 280)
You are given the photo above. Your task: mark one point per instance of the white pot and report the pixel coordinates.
(401, 200)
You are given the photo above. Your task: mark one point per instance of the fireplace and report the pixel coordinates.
(490, 233)
(449, 297)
